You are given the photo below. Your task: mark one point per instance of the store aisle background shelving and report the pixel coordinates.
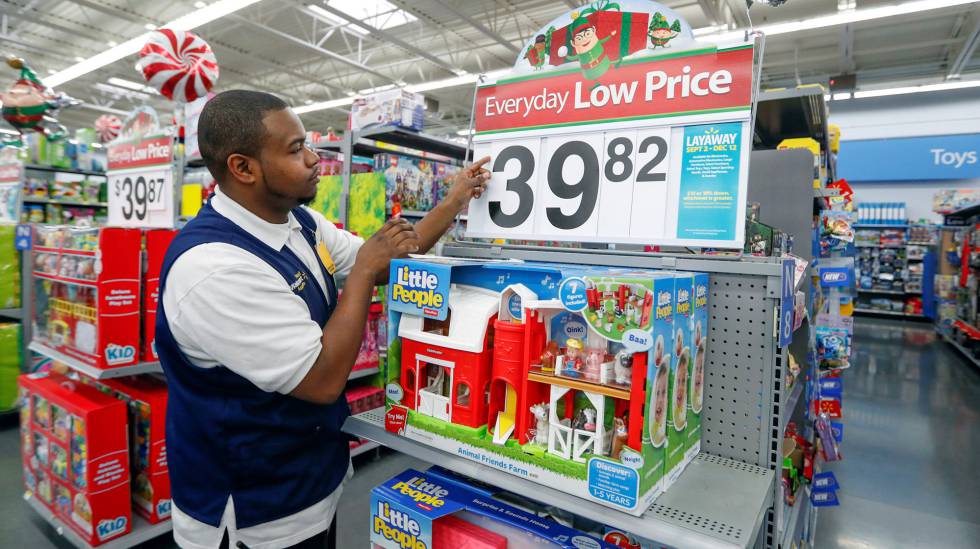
(911, 440)
(909, 479)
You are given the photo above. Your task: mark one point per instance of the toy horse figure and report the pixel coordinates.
(540, 413)
(623, 368)
(30, 105)
(620, 436)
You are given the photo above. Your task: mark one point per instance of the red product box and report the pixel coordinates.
(626, 33)
(368, 355)
(76, 460)
(146, 400)
(86, 299)
(157, 242)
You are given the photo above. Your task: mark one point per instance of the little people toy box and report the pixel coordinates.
(87, 293)
(554, 373)
(75, 456)
(146, 401)
(415, 510)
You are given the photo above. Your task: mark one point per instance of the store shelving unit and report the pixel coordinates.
(420, 145)
(142, 531)
(365, 372)
(963, 350)
(44, 200)
(53, 169)
(888, 313)
(717, 502)
(91, 371)
(725, 498)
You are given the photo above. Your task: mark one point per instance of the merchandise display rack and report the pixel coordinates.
(54, 169)
(92, 371)
(142, 530)
(725, 498)
(364, 372)
(926, 265)
(716, 502)
(963, 350)
(352, 144)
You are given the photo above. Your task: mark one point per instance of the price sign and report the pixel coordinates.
(140, 183)
(654, 152)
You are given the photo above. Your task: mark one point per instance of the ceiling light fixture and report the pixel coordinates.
(339, 21)
(190, 21)
(129, 84)
(922, 88)
(150, 27)
(838, 18)
(200, 4)
(416, 88)
(112, 43)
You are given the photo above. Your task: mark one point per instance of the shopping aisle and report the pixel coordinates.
(911, 440)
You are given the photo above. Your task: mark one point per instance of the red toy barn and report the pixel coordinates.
(445, 368)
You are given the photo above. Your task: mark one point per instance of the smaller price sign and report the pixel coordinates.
(141, 183)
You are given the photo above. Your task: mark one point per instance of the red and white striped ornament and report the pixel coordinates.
(107, 127)
(179, 64)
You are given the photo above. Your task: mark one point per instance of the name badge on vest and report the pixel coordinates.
(321, 251)
(299, 284)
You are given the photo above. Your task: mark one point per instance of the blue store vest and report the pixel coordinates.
(274, 454)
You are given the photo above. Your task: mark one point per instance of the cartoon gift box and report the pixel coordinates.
(598, 37)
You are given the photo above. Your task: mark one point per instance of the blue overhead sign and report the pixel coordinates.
(935, 157)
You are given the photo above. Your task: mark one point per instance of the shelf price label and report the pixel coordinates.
(656, 152)
(140, 180)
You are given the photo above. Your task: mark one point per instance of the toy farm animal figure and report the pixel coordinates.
(623, 368)
(585, 420)
(540, 413)
(620, 436)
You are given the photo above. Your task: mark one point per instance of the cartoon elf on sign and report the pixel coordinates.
(589, 48)
(661, 32)
(537, 53)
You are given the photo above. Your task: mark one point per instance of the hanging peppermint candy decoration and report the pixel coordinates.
(179, 64)
(107, 127)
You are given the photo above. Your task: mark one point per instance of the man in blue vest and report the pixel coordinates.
(254, 339)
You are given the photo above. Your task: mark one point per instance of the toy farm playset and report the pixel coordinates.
(87, 293)
(76, 463)
(556, 373)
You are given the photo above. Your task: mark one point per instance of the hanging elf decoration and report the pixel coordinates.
(537, 53)
(30, 105)
(661, 31)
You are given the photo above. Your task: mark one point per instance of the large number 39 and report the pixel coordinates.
(618, 168)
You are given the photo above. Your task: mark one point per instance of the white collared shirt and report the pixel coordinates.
(226, 306)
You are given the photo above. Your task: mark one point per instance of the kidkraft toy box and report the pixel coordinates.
(146, 402)
(555, 373)
(75, 456)
(388, 108)
(419, 511)
(86, 293)
(157, 242)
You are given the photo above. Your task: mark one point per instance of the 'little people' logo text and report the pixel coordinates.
(684, 302)
(417, 287)
(701, 296)
(664, 308)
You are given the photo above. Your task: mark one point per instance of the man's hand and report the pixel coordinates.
(396, 239)
(471, 182)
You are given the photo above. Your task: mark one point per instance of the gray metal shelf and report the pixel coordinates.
(716, 502)
(357, 374)
(413, 140)
(52, 169)
(799, 514)
(17, 313)
(92, 371)
(142, 530)
(966, 353)
(364, 448)
(873, 291)
(45, 200)
(793, 401)
(888, 313)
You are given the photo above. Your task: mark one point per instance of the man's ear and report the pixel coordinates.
(243, 168)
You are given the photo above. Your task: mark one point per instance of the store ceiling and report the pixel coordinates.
(305, 56)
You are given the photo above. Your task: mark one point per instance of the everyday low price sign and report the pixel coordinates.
(650, 145)
(140, 182)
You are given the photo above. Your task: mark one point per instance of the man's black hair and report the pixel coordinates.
(230, 123)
